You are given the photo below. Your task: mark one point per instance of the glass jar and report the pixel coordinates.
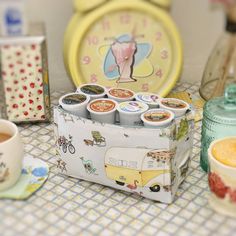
(219, 120)
(220, 70)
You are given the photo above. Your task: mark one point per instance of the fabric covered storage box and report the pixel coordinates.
(149, 162)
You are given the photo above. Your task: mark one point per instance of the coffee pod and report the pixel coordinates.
(94, 91)
(151, 99)
(130, 112)
(120, 94)
(177, 106)
(75, 103)
(157, 118)
(103, 110)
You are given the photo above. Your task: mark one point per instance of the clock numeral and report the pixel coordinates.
(159, 73)
(158, 36)
(125, 18)
(92, 40)
(86, 60)
(145, 87)
(105, 25)
(93, 78)
(144, 22)
(164, 54)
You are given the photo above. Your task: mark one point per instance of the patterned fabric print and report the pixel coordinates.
(23, 82)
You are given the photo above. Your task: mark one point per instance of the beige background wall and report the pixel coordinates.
(199, 26)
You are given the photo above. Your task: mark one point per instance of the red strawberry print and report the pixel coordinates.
(18, 53)
(40, 70)
(9, 89)
(36, 58)
(39, 107)
(24, 87)
(21, 95)
(22, 71)
(29, 65)
(217, 186)
(16, 82)
(23, 105)
(26, 113)
(31, 101)
(40, 91)
(11, 65)
(232, 195)
(15, 106)
(32, 85)
(33, 47)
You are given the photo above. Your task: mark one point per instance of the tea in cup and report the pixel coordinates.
(222, 175)
(11, 154)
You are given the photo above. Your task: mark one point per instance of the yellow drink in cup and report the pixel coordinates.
(225, 151)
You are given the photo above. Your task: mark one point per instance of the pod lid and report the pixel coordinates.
(132, 107)
(102, 106)
(222, 109)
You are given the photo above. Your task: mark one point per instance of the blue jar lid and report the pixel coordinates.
(222, 109)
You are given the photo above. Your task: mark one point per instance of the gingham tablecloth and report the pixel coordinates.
(67, 206)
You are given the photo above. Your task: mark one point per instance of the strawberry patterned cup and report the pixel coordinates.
(130, 112)
(75, 103)
(157, 118)
(179, 107)
(103, 110)
(94, 91)
(222, 177)
(151, 99)
(120, 94)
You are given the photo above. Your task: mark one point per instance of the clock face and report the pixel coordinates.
(128, 49)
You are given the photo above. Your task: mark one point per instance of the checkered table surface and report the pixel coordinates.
(67, 206)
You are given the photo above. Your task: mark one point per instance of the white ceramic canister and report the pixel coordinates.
(157, 118)
(222, 175)
(75, 103)
(103, 110)
(151, 99)
(130, 112)
(177, 106)
(94, 91)
(120, 94)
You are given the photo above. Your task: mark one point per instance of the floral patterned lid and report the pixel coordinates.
(222, 109)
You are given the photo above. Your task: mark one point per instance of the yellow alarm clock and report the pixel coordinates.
(131, 44)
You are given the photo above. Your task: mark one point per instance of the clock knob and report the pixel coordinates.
(162, 3)
(83, 6)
